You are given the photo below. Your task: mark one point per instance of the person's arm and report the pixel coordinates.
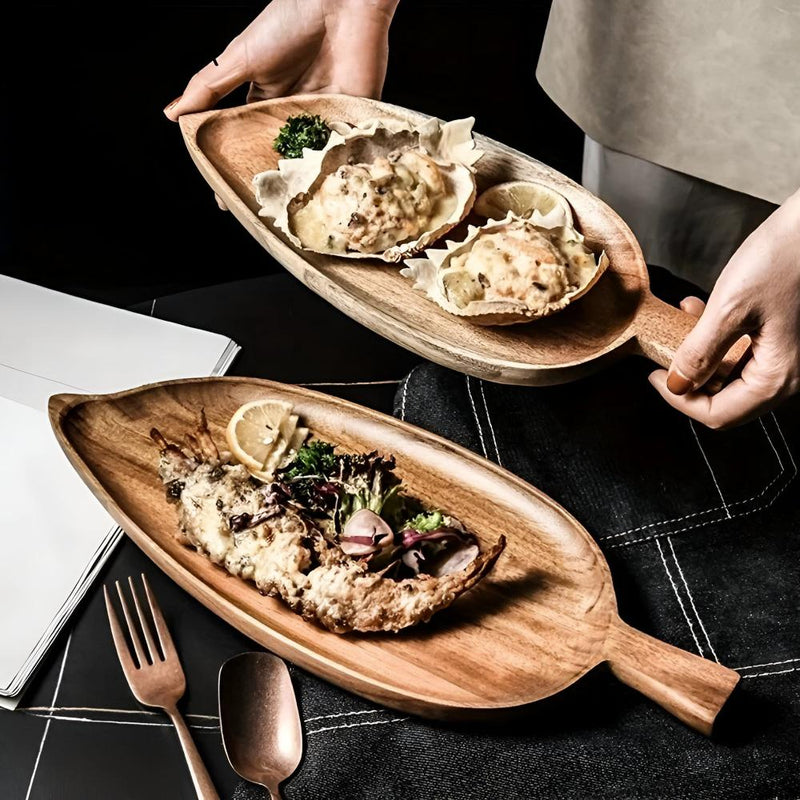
(296, 46)
(758, 293)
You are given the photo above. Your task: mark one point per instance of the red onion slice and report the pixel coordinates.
(364, 533)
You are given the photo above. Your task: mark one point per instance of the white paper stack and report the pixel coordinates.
(55, 536)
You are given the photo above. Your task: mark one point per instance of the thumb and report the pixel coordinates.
(701, 352)
(208, 86)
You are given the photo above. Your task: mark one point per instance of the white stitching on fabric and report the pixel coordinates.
(403, 398)
(710, 469)
(406, 381)
(477, 421)
(49, 717)
(691, 599)
(766, 674)
(489, 420)
(344, 714)
(745, 513)
(771, 443)
(785, 443)
(746, 500)
(356, 725)
(699, 524)
(680, 602)
(769, 664)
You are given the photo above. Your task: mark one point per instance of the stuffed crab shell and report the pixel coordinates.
(508, 271)
(385, 190)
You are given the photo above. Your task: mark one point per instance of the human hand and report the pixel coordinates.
(296, 46)
(758, 293)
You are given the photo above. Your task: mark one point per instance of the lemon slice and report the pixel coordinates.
(255, 429)
(286, 434)
(523, 198)
(297, 441)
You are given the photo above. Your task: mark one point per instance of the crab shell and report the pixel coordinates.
(428, 274)
(283, 191)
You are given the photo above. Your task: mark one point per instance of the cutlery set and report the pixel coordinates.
(259, 718)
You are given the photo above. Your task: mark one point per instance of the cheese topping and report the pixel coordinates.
(371, 207)
(520, 263)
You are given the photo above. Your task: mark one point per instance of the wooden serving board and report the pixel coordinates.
(618, 316)
(542, 618)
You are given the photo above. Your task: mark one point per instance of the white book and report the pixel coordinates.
(54, 535)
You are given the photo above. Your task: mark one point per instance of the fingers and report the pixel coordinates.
(693, 305)
(701, 352)
(737, 403)
(207, 87)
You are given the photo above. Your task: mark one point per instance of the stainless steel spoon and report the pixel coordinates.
(259, 719)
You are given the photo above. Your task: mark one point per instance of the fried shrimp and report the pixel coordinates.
(250, 530)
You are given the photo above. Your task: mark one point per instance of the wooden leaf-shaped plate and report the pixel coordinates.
(542, 618)
(620, 315)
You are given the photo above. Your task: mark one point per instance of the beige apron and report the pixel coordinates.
(671, 90)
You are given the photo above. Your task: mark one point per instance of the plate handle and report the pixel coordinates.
(660, 330)
(691, 688)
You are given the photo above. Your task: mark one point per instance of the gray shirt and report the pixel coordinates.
(710, 88)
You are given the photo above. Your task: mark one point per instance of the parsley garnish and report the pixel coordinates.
(301, 131)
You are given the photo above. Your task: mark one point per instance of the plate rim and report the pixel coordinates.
(62, 404)
(192, 125)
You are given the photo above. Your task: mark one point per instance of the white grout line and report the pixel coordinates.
(708, 464)
(357, 725)
(49, 718)
(121, 722)
(110, 711)
(36, 711)
(137, 723)
(691, 599)
(677, 594)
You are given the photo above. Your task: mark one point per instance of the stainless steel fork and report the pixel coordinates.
(156, 678)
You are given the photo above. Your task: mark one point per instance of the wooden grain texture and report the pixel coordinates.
(617, 317)
(544, 616)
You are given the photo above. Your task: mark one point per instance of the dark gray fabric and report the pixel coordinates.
(700, 529)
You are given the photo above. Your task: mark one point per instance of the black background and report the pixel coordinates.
(98, 196)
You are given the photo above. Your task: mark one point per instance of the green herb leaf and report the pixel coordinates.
(313, 458)
(302, 131)
(426, 521)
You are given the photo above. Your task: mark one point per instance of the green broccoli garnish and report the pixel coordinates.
(301, 131)
(426, 521)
